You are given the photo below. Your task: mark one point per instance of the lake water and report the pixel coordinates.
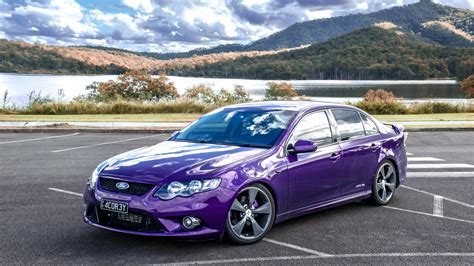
(20, 85)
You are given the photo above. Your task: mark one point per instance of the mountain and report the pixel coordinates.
(409, 17)
(376, 52)
(420, 18)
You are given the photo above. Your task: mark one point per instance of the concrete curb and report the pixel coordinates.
(111, 130)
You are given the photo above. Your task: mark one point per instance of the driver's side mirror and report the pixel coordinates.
(302, 146)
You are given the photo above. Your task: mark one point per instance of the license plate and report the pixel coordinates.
(114, 206)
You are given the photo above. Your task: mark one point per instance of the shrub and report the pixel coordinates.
(381, 102)
(380, 95)
(467, 86)
(279, 91)
(203, 93)
(133, 85)
(436, 108)
(382, 108)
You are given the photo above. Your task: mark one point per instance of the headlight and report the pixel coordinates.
(95, 175)
(186, 189)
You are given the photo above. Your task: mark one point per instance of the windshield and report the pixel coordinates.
(250, 128)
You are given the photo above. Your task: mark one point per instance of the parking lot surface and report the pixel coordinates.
(430, 220)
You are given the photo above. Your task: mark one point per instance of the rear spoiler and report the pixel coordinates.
(398, 128)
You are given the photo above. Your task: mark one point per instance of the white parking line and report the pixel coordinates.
(36, 139)
(65, 191)
(424, 159)
(307, 250)
(432, 194)
(104, 143)
(315, 257)
(439, 174)
(428, 214)
(439, 166)
(438, 206)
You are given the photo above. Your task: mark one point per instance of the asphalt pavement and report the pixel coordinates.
(42, 177)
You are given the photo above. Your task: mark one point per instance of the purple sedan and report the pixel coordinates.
(240, 169)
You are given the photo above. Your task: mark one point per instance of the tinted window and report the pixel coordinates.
(314, 127)
(348, 123)
(259, 128)
(369, 125)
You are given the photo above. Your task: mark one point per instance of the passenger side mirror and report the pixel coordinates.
(302, 146)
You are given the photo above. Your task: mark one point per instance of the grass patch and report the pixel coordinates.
(427, 117)
(182, 117)
(186, 117)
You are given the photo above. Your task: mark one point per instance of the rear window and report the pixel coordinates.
(369, 125)
(348, 123)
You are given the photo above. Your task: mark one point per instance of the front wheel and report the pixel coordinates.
(251, 215)
(385, 183)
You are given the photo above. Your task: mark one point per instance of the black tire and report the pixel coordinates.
(238, 216)
(384, 184)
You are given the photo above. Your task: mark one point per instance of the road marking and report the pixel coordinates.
(432, 194)
(65, 191)
(424, 159)
(307, 250)
(439, 166)
(104, 143)
(36, 139)
(315, 257)
(439, 174)
(428, 214)
(409, 154)
(438, 206)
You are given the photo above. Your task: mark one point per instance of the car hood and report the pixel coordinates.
(175, 160)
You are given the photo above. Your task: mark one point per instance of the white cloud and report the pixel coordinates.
(63, 17)
(362, 6)
(140, 5)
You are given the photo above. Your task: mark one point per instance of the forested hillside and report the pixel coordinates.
(368, 53)
(18, 57)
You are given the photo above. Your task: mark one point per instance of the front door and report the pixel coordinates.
(314, 177)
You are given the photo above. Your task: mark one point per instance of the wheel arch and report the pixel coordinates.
(396, 168)
(270, 188)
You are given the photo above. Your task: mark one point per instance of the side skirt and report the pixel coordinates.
(323, 206)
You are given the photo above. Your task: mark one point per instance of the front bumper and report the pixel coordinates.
(151, 216)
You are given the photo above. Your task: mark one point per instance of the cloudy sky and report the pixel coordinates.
(169, 25)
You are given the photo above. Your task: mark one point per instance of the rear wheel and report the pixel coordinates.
(251, 215)
(385, 184)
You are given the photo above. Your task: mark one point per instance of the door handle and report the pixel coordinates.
(374, 146)
(335, 156)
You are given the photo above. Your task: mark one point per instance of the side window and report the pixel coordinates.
(314, 127)
(369, 125)
(348, 123)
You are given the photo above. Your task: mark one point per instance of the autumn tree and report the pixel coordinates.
(279, 91)
(134, 85)
(467, 86)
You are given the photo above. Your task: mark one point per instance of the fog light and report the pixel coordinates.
(190, 222)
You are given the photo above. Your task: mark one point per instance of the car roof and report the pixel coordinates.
(286, 105)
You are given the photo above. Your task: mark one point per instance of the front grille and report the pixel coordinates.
(132, 221)
(138, 189)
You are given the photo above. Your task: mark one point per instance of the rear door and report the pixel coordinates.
(360, 144)
(314, 177)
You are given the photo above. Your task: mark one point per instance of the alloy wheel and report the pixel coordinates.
(386, 182)
(251, 214)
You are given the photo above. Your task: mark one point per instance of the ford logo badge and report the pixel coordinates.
(122, 185)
